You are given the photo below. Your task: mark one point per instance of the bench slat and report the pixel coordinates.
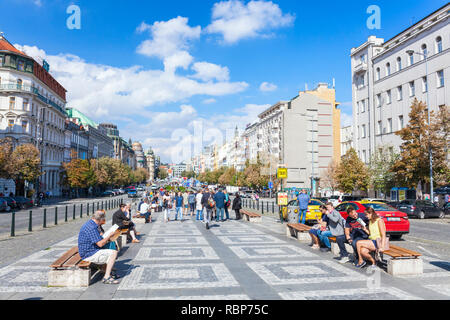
(299, 227)
(66, 256)
(405, 251)
(72, 262)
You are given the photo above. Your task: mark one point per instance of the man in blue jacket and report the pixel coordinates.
(219, 198)
(303, 201)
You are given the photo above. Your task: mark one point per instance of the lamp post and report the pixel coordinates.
(312, 150)
(425, 55)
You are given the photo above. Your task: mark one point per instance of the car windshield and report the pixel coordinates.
(379, 206)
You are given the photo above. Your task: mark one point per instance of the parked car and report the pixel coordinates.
(116, 191)
(312, 214)
(323, 200)
(132, 193)
(4, 205)
(334, 200)
(11, 202)
(421, 209)
(397, 222)
(446, 208)
(108, 193)
(23, 203)
(393, 204)
(374, 200)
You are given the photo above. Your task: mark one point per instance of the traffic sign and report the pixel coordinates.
(282, 173)
(270, 185)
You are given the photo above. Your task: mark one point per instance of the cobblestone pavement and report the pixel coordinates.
(233, 260)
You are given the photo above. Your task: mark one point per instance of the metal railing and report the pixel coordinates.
(88, 209)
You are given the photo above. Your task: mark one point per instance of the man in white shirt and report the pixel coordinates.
(145, 210)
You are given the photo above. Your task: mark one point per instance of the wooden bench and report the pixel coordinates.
(299, 231)
(70, 270)
(335, 248)
(403, 262)
(251, 217)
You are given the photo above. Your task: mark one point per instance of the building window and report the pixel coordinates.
(24, 126)
(364, 156)
(380, 127)
(363, 131)
(389, 125)
(424, 52)
(400, 122)
(11, 124)
(378, 100)
(389, 97)
(411, 58)
(399, 93)
(2, 58)
(359, 133)
(412, 89)
(378, 74)
(399, 63)
(363, 106)
(438, 45)
(424, 84)
(25, 104)
(19, 84)
(440, 78)
(388, 69)
(12, 103)
(21, 65)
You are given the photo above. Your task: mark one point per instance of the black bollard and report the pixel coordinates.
(56, 216)
(45, 218)
(65, 214)
(13, 223)
(30, 221)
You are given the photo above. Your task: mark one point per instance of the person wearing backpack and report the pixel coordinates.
(208, 203)
(191, 200)
(219, 198)
(227, 204)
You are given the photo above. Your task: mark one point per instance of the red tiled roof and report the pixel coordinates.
(6, 46)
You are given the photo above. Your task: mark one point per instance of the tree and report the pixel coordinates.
(79, 174)
(328, 177)
(352, 173)
(6, 165)
(381, 176)
(162, 174)
(26, 162)
(419, 138)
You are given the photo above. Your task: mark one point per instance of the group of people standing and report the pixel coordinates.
(207, 205)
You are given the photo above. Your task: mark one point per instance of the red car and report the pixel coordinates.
(397, 223)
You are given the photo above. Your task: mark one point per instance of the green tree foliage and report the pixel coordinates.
(352, 174)
(419, 137)
(381, 177)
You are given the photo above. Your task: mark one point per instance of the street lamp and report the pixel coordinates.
(312, 148)
(425, 55)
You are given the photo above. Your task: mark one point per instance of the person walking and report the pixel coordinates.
(191, 201)
(185, 203)
(208, 203)
(303, 201)
(199, 206)
(237, 206)
(219, 198)
(227, 204)
(179, 203)
(166, 205)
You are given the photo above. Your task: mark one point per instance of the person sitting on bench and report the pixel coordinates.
(120, 218)
(354, 229)
(321, 226)
(90, 244)
(377, 238)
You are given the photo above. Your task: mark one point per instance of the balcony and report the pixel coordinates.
(12, 87)
(361, 68)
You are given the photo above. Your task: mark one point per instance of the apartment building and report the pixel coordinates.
(388, 75)
(32, 110)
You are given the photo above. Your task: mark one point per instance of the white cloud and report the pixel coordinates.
(236, 21)
(267, 87)
(167, 37)
(209, 101)
(104, 91)
(208, 71)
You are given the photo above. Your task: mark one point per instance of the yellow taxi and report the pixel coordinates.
(313, 213)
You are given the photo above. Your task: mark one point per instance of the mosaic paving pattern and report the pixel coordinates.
(181, 253)
(189, 298)
(171, 276)
(255, 239)
(281, 251)
(175, 241)
(350, 294)
(320, 271)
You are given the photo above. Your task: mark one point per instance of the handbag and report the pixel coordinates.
(384, 246)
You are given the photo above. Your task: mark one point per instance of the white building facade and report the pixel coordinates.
(32, 110)
(387, 78)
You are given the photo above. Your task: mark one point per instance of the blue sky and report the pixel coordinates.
(156, 67)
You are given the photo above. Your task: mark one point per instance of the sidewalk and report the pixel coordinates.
(233, 260)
